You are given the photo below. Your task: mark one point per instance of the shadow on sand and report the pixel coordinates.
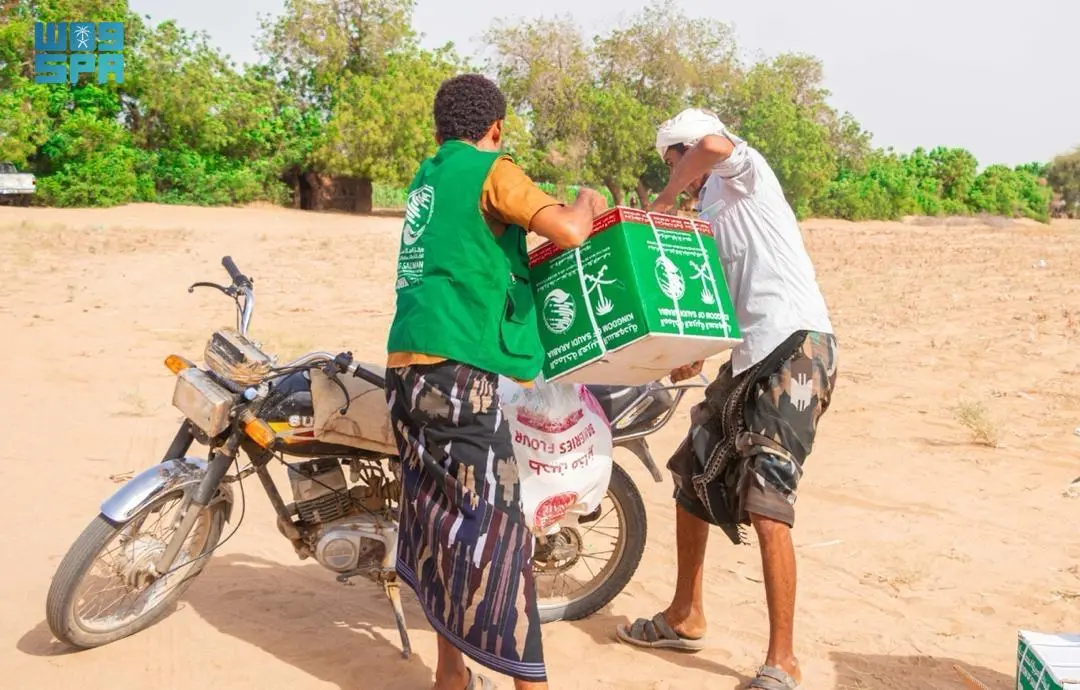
(302, 616)
(880, 672)
(339, 634)
(298, 614)
(601, 628)
(853, 671)
(40, 642)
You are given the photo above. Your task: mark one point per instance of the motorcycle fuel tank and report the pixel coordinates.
(289, 412)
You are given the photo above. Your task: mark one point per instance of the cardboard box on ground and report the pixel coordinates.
(645, 294)
(1048, 662)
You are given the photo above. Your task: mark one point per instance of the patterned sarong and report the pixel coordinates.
(464, 546)
(752, 434)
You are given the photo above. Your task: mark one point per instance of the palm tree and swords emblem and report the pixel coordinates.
(703, 275)
(595, 284)
(82, 37)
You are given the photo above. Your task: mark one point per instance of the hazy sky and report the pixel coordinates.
(995, 77)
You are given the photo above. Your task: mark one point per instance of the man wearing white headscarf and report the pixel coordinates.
(743, 458)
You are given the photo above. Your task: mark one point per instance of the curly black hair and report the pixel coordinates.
(466, 106)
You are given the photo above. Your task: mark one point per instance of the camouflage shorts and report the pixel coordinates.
(750, 437)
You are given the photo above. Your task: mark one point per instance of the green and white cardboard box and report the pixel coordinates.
(643, 295)
(1048, 662)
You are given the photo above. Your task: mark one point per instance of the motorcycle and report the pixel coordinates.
(157, 532)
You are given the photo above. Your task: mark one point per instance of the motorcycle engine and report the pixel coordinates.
(343, 525)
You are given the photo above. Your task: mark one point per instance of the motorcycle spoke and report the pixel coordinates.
(593, 526)
(119, 585)
(612, 535)
(593, 560)
(591, 573)
(596, 554)
(104, 607)
(565, 579)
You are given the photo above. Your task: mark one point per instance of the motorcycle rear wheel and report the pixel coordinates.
(617, 573)
(137, 551)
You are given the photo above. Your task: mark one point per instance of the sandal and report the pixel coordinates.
(773, 678)
(657, 634)
(479, 682)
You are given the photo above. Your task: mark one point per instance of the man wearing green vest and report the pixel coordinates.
(465, 315)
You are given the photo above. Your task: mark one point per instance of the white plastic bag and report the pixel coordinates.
(562, 443)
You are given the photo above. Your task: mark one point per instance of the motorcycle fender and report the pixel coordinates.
(640, 448)
(170, 475)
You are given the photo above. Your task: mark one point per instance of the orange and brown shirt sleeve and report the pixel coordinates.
(510, 197)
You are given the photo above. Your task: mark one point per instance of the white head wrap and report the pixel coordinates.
(688, 127)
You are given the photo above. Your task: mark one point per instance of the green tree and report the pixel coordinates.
(885, 190)
(212, 134)
(381, 125)
(91, 162)
(1064, 176)
(1002, 191)
(24, 121)
(955, 170)
(782, 112)
(543, 68)
(851, 142)
(359, 83)
(620, 135)
(313, 43)
(666, 60)
(345, 89)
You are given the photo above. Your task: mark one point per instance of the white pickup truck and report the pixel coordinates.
(16, 188)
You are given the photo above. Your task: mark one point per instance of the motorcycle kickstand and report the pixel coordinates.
(393, 592)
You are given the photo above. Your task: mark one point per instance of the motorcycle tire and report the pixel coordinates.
(634, 533)
(80, 558)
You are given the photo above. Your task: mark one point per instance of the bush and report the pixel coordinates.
(1064, 174)
(91, 162)
(386, 196)
(184, 176)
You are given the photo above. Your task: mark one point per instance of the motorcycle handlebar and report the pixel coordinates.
(238, 278)
(345, 364)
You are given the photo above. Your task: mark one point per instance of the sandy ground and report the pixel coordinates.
(918, 547)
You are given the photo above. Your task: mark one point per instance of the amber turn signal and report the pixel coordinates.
(176, 364)
(260, 432)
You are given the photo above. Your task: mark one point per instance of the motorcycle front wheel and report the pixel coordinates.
(579, 570)
(104, 589)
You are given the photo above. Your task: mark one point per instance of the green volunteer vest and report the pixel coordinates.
(463, 293)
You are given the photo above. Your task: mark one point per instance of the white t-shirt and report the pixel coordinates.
(769, 274)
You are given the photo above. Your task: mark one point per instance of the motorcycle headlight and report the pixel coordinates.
(202, 401)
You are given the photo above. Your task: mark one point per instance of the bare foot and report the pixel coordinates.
(686, 622)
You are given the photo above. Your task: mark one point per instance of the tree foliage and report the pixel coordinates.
(380, 127)
(1064, 175)
(781, 110)
(592, 111)
(343, 87)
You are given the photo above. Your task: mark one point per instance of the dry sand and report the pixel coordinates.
(918, 548)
